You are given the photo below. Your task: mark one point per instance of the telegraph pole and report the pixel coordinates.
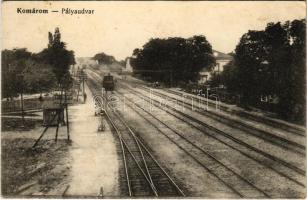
(82, 77)
(20, 78)
(83, 85)
(171, 77)
(22, 108)
(67, 122)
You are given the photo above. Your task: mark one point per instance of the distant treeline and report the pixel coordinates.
(23, 71)
(106, 59)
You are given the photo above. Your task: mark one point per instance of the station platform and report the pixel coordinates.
(95, 166)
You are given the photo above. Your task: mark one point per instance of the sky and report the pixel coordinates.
(118, 27)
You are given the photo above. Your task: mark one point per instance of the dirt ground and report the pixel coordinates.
(26, 171)
(80, 168)
(14, 124)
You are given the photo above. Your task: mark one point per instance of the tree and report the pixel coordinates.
(38, 77)
(57, 56)
(40, 71)
(13, 63)
(103, 58)
(271, 62)
(292, 97)
(250, 54)
(173, 59)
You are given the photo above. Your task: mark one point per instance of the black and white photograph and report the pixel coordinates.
(153, 99)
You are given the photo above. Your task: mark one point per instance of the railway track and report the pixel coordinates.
(145, 177)
(208, 161)
(271, 122)
(264, 158)
(221, 168)
(270, 137)
(278, 165)
(274, 123)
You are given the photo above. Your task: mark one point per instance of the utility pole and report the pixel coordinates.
(59, 114)
(73, 70)
(22, 108)
(67, 122)
(20, 79)
(83, 77)
(171, 77)
(83, 85)
(78, 92)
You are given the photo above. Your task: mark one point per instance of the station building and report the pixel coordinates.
(221, 60)
(128, 67)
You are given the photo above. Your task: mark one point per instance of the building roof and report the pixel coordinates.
(221, 56)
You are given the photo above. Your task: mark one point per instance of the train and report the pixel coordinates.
(108, 83)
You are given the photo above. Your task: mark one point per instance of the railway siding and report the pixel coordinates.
(270, 161)
(269, 133)
(265, 180)
(279, 152)
(274, 123)
(246, 163)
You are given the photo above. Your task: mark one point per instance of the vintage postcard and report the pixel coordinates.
(153, 99)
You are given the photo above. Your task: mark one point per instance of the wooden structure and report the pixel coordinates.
(52, 113)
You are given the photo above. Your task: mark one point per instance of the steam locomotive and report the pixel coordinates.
(108, 83)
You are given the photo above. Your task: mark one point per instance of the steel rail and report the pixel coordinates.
(140, 150)
(124, 159)
(166, 174)
(238, 142)
(126, 145)
(268, 121)
(151, 156)
(199, 148)
(262, 135)
(285, 163)
(144, 147)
